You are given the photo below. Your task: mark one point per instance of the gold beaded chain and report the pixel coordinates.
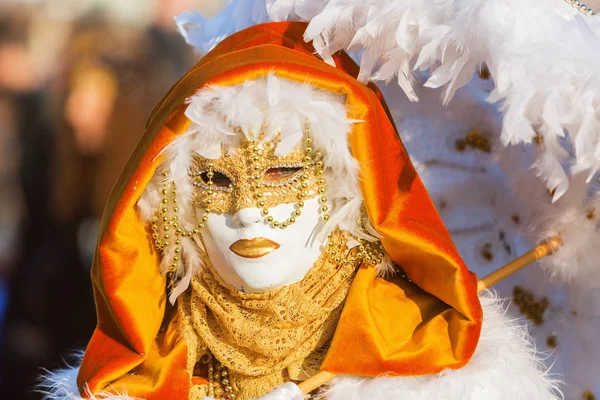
(170, 227)
(218, 380)
(307, 165)
(581, 7)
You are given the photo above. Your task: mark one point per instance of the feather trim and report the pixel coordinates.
(62, 385)
(546, 85)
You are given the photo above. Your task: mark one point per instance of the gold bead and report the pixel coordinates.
(210, 174)
(318, 154)
(176, 209)
(284, 225)
(292, 220)
(209, 201)
(321, 182)
(297, 212)
(259, 195)
(261, 203)
(326, 217)
(204, 218)
(300, 204)
(324, 209)
(308, 150)
(319, 164)
(175, 258)
(276, 223)
(177, 242)
(210, 192)
(323, 200)
(269, 219)
(201, 225)
(196, 231)
(308, 141)
(174, 265)
(264, 212)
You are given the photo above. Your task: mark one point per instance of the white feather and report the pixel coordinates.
(62, 385)
(541, 78)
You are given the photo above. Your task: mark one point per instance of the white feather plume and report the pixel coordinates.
(544, 70)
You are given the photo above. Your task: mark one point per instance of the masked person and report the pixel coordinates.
(270, 225)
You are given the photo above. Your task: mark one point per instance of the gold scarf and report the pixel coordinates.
(267, 339)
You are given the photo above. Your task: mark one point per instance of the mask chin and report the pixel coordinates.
(290, 252)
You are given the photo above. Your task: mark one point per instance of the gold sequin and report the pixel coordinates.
(531, 308)
(552, 341)
(591, 214)
(484, 72)
(486, 252)
(475, 140)
(588, 395)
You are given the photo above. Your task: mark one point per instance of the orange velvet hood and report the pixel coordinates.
(420, 325)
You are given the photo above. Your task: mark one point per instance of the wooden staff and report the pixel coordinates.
(537, 253)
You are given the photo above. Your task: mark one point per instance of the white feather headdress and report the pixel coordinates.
(222, 116)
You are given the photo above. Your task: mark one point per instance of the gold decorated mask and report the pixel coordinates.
(254, 176)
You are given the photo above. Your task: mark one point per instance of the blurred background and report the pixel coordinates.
(78, 79)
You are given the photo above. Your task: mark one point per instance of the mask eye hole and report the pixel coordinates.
(280, 173)
(219, 180)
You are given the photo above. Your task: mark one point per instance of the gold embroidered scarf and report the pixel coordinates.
(267, 339)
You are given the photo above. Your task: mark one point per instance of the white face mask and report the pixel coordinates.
(251, 256)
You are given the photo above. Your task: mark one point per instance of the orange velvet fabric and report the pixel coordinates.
(392, 326)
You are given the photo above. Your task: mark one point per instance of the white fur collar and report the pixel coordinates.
(505, 366)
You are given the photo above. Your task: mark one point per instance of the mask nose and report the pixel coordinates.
(246, 217)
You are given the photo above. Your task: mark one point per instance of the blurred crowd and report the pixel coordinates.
(75, 92)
